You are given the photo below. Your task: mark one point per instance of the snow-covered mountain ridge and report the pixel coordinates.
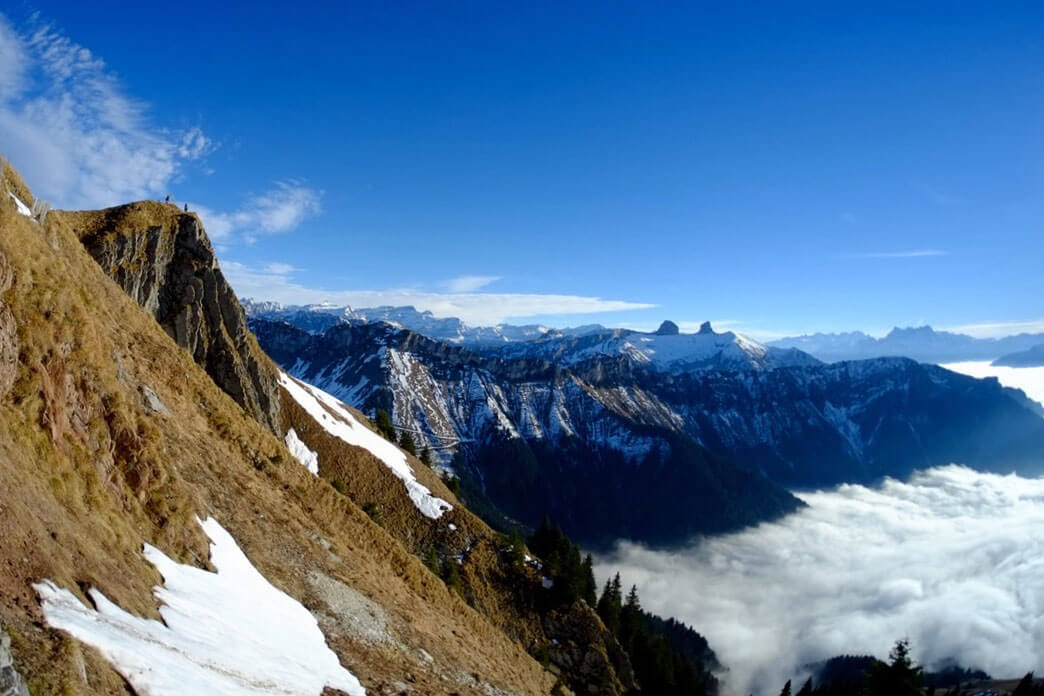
(667, 348)
(316, 318)
(608, 414)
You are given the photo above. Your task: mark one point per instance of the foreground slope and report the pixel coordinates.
(111, 436)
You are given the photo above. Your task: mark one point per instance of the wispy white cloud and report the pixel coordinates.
(282, 208)
(950, 559)
(68, 126)
(274, 282)
(280, 269)
(469, 283)
(910, 254)
(997, 329)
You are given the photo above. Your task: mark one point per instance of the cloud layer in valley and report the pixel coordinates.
(1029, 379)
(952, 559)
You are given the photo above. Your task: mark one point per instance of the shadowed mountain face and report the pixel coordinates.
(535, 434)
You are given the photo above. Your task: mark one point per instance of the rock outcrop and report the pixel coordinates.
(8, 333)
(668, 328)
(11, 682)
(163, 259)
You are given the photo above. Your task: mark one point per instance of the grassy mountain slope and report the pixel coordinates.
(111, 436)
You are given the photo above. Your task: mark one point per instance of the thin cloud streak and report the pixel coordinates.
(911, 254)
(479, 309)
(469, 283)
(997, 329)
(281, 209)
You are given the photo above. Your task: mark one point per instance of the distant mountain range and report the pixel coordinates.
(316, 318)
(923, 344)
(1032, 357)
(667, 348)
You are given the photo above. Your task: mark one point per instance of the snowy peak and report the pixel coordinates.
(317, 318)
(666, 349)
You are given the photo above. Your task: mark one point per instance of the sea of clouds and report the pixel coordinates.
(951, 559)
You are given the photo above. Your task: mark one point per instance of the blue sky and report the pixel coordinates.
(777, 168)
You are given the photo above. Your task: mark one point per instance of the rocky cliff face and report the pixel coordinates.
(163, 259)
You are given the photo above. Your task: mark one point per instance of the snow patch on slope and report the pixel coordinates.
(308, 458)
(229, 632)
(345, 427)
(22, 207)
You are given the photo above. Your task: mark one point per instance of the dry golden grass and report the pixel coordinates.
(88, 473)
(11, 180)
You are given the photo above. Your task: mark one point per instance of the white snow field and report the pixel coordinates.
(1028, 379)
(229, 632)
(308, 458)
(340, 423)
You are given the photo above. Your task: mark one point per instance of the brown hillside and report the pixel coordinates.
(163, 259)
(575, 642)
(111, 436)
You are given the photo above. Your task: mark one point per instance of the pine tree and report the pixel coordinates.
(632, 599)
(786, 689)
(406, 443)
(630, 620)
(450, 574)
(899, 677)
(1025, 687)
(806, 690)
(611, 604)
(431, 560)
(590, 587)
(425, 456)
(384, 425)
(452, 483)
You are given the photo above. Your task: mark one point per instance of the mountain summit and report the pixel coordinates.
(668, 328)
